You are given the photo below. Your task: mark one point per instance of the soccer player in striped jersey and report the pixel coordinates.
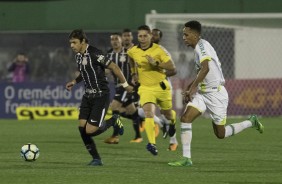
(91, 63)
(127, 39)
(123, 102)
(206, 93)
(148, 62)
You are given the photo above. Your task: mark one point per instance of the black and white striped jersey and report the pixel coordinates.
(91, 65)
(120, 59)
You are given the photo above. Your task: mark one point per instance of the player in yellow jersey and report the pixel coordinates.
(168, 127)
(149, 61)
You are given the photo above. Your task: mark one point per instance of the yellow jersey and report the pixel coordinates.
(149, 75)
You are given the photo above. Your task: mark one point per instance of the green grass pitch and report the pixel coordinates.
(248, 157)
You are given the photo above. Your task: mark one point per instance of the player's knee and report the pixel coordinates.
(88, 132)
(168, 115)
(185, 118)
(149, 114)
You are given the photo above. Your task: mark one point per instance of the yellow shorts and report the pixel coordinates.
(157, 95)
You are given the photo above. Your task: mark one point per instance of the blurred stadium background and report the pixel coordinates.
(246, 34)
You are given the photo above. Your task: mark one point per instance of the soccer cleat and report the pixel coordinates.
(171, 130)
(184, 161)
(152, 148)
(96, 162)
(256, 124)
(172, 147)
(136, 140)
(112, 140)
(118, 124)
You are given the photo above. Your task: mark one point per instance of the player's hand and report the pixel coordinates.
(134, 79)
(151, 60)
(129, 89)
(188, 95)
(69, 85)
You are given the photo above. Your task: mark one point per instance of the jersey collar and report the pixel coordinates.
(139, 46)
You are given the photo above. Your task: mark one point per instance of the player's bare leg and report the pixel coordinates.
(190, 114)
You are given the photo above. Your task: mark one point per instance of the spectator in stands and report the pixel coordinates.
(19, 68)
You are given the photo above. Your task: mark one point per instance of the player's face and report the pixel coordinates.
(156, 36)
(76, 45)
(144, 37)
(116, 41)
(127, 38)
(189, 37)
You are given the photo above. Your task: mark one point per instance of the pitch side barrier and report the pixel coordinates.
(46, 113)
(40, 101)
(52, 101)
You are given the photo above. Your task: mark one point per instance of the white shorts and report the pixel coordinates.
(214, 103)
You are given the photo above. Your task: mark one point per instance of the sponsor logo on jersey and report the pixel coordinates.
(202, 49)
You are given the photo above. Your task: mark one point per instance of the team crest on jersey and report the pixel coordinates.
(122, 58)
(84, 61)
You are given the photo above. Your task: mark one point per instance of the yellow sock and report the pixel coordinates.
(109, 114)
(150, 130)
(173, 120)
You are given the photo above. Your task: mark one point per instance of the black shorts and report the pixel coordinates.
(126, 98)
(94, 108)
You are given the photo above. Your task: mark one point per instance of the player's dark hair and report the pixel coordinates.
(194, 25)
(160, 32)
(116, 33)
(78, 34)
(144, 27)
(126, 30)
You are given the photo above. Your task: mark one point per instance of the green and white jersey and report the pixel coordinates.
(214, 78)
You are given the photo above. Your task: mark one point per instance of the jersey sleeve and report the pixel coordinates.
(129, 53)
(104, 60)
(202, 52)
(164, 54)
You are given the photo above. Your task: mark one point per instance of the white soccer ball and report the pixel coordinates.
(29, 152)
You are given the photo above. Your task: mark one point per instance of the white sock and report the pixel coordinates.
(173, 140)
(141, 112)
(164, 120)
(235, 128)
(158, 121)
(156, 118)
(186, 138)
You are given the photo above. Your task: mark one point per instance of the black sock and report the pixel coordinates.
(126, 115)
(135, 115)
(136, 125)
(89, 143)
(113, 119)
(93, 151)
